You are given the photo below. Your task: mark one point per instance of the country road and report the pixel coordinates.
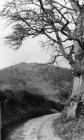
(36, 129)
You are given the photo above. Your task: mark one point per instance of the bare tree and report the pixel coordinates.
(62, 23)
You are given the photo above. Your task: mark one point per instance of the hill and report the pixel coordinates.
(32, 90)
(36, 78)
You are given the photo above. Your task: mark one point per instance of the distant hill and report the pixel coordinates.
(43, 79)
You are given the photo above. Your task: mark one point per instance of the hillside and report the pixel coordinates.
(36, 78)
(32, 90)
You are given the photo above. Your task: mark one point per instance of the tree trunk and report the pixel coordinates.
(78, 88)
(75, 97)
(78, 83)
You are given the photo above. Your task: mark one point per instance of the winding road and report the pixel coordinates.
(36, 129)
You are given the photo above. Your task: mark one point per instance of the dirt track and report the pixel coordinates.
(36, 129)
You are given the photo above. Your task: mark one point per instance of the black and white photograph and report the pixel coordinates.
(42, 70)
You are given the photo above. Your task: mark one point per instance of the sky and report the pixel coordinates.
(29, 52)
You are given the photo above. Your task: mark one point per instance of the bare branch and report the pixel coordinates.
(41, 4)
(39, 17)
(61, 45)
(75, 5)
(54, 58)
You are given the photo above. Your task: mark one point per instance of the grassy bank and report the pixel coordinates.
(69, 130)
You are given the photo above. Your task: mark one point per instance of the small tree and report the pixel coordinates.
(62, 23)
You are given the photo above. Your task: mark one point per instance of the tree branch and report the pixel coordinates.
(41, 4)
(75, 5)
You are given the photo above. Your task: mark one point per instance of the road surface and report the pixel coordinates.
(36, 129)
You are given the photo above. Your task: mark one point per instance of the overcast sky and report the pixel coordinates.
(29, 52)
